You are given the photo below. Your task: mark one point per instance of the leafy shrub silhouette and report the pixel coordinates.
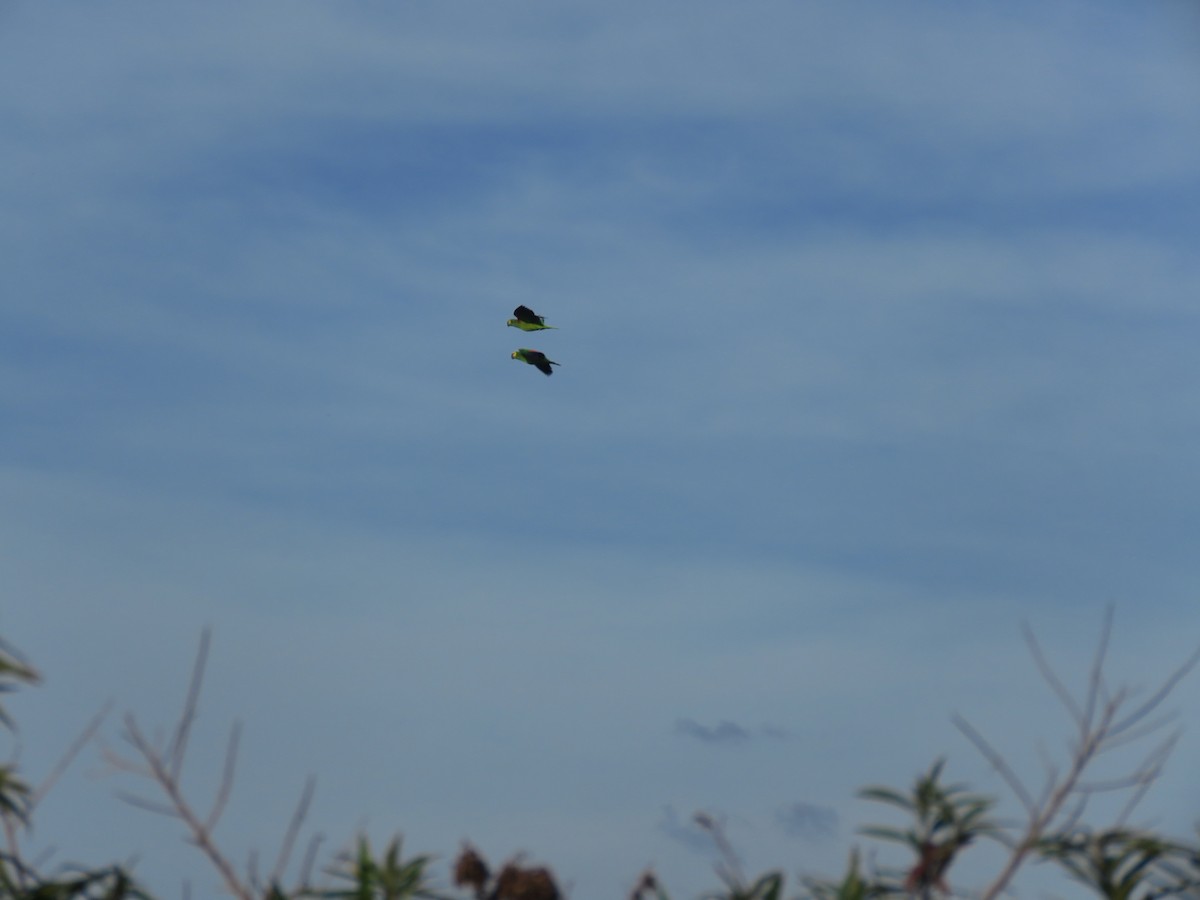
(1114, 861)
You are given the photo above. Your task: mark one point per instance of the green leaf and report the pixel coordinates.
(769, 887)
(14, 797)
(887, 795)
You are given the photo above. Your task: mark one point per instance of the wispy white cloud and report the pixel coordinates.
(726, 732)
(807, 821)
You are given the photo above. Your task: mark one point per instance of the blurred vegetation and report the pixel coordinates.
(940, 822)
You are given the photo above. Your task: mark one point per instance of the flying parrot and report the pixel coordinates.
(535, 358)
(527, 320)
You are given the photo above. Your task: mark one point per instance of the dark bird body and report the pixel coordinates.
(535, 358)
(527, 320)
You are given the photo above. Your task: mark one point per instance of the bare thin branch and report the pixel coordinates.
(1151, 769)
(226, 787)
(1096, 688)
(133, 734)
(1132, 735)
(1050, 769)
(42, 858)
(178, 747)
(310, 859)
(198, 834)
(293, 830)
(1144, 774)
(153, 806)
(1112, 785)
(1101, 727)
(1158, 696)
(118, 763)
(1103, 690)
(63, 764)
(1073, 814)
(1052, 679)
(998, 762)
(729, 866)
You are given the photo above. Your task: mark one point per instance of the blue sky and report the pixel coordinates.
(878, 337)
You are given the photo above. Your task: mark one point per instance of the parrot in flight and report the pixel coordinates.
(527, 320)
(535, 358)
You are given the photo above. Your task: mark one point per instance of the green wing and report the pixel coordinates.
(535, 358)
